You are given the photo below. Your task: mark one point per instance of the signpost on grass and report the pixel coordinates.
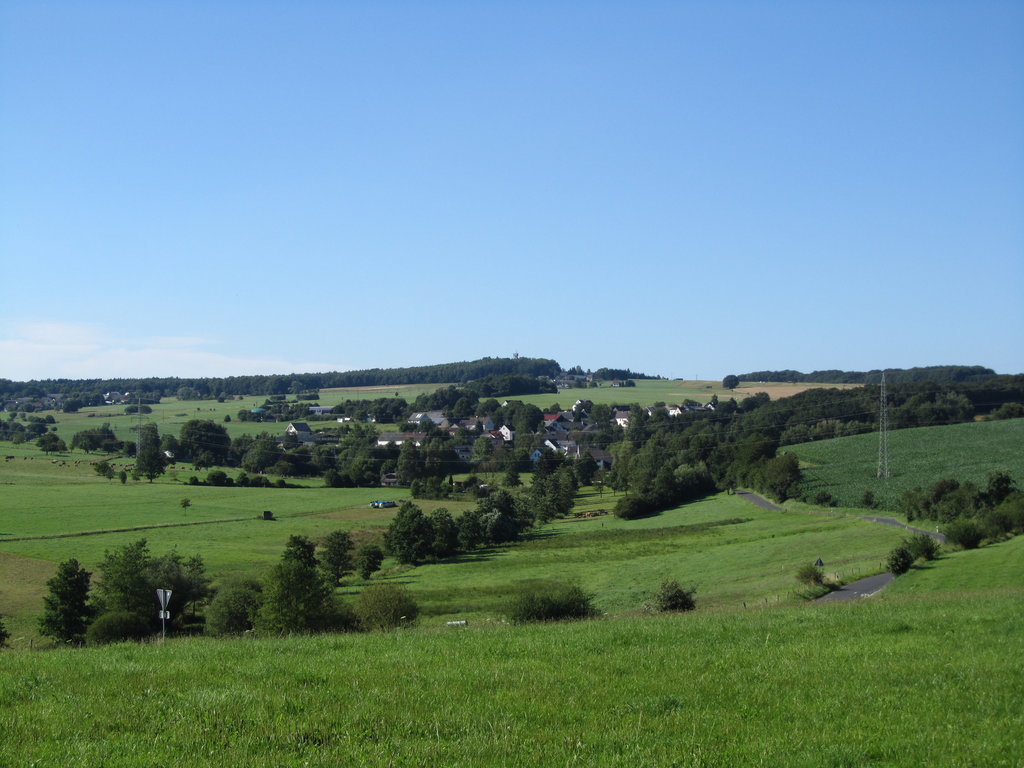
(164, 596)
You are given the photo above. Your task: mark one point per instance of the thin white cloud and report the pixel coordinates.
(87, 351)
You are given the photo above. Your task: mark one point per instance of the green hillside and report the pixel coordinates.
(995, 567)
(847, 467)
(896, 682)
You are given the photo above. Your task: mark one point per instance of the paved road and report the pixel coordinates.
(759, 501)
(891, 521)
(863, 588)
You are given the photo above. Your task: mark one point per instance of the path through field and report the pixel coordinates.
(759, 501)
(862, 588)
(892, 521)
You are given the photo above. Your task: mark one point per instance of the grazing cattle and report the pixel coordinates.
(8, 458)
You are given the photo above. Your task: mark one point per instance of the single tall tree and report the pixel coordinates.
(66, 609)
(296, 598)
(127, 583)
(336, 556)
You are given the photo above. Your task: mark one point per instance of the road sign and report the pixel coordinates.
(164, 596)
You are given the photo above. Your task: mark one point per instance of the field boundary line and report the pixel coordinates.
(41, 537)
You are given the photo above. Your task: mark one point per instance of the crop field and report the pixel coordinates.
(847, 467)
(899, 682)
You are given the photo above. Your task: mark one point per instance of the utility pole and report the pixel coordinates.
(883, 433)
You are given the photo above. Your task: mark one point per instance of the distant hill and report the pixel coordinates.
(940, 374)
(89, 392)
(293, 383)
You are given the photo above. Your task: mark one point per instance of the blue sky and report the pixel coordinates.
(681, 188)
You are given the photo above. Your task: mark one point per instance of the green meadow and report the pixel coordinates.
(926, 673)
(848, 466)
(668, 391)
(170, 414)
(732, 552)
(900, 681)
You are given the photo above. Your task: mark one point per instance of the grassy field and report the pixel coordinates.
(847, 467)
(734, 553)
(731, 551)
(893, 682)
(669, 391)
(171, 414)
(995, 567)
(81, 514)
(927, 673)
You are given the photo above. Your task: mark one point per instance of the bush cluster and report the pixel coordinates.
(811, 575)
(116, 627)
(969, 514)
(384, 607)
(552, 602)
(673, 597)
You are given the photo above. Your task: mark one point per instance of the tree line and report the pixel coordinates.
(88, 390)
(935, 373)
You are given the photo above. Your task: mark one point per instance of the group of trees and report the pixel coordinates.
(501, 515)
(297, 595)
(415, 537)
(89, 392)
(933, 373)
(124, 604)
(966, 513)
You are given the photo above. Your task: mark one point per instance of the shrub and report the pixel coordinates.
(553, 602)
(116, 627)
(234, 608)
(672, 597)
(900, 560)
(824, 499)
(385, 607)
(868, 499)
(634, 507)
(922, 545)
(218, 477)
(811, 575)
(965, 532)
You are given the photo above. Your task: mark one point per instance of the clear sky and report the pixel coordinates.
(682, 188)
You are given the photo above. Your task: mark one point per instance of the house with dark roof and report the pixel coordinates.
(397, 438)
(300, 431)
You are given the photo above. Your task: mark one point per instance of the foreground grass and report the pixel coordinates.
(886, 682)
(847, 467)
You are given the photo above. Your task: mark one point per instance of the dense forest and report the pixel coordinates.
(935, 373)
